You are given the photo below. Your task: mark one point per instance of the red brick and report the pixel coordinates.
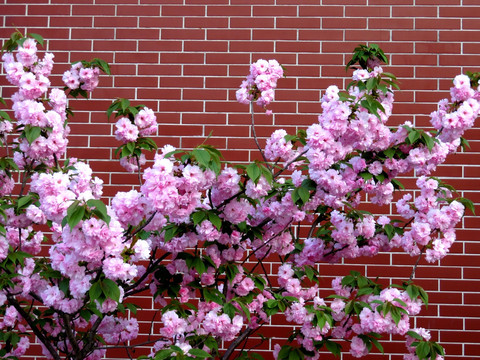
(137, 34)
(321, 11)
(183, 34)
(157, 45)
(274, 11)
(160, 22)
(108, 21)
(182, 82)
(93, 10)
(391, 23)
(344, 23)
(412, 35)
(232, 10)
(73, 21)
(205, 22)
(48, 10)
(168, 10)
(367, 35)
(319, 35)
(297, 23)
(470, 24)
(228, 34)
(135, 10)
(205, 70)
(206, 46)
(159, 69)
(437, 24)
(252, 46)
(114, 45)
(368, 11)
(226, 58)
(179, 58)
(297, 46)
(15, 21)
(459, 11)
(260, 34)
(253, 22)
(93, 34)
(465, 35)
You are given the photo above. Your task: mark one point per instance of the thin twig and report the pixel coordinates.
(256, 139)
(285, 167)
(416, 264)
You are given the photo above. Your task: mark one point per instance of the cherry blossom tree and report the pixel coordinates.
(196, 230)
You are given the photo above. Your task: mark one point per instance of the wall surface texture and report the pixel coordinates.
(186, 58)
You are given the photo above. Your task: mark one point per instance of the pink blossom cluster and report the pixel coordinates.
(433, 226)
(260, 84)
(31, 76)
(85, 78)
(145, 123)
(171, 195)
(117, 330)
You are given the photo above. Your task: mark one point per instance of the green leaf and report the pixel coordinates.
(390, 152)
(213, 295)
(163, 354)
(114, 106)
(309, 272)
(377, 345)
(202, 156)
(397, 184)
(101, 208)
(124, 103)
(253, 172)
(32, 133)
(198, 217)
(468, 204)
(464, 143)
(132, 307)
(413, 291)
(390, 231)
(198, 265)
(284, 352)
(103, 65)
(4, 115)
(199, 353)
(95, 291)
(24, 202)
(423, 296)
(414, 335)
(37, 37)
(364, 291)
(229, 309)
(304, 194)
(428, 140)
(422, 350)
(333, 347)
(215, 220)
(170, 232)
(110, 289)
(245, 310)
(413, 136)
(76, 216)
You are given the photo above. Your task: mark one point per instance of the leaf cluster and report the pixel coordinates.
(17, 39)
(78, 211)
(362, 53)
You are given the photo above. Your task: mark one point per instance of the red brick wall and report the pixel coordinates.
(186, 58)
